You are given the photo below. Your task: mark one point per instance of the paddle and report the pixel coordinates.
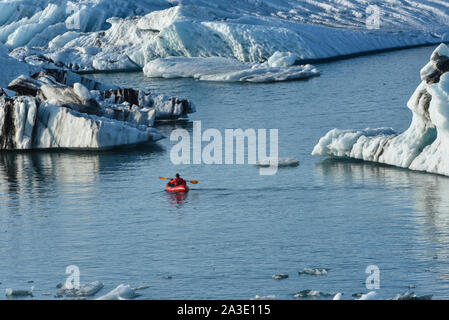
(191, 181)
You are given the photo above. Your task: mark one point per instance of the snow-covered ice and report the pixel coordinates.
(112, 35)
(280, 68)
(423, 146)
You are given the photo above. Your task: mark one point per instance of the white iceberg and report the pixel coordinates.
(122, 35)
(27, 123)
(39, 112)
(424, 146)
(229, 70)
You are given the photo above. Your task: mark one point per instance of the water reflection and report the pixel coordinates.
(426, 193)
(26, 177)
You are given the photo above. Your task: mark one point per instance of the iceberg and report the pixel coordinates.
(228, 70)
(424, 146)
(38, 111)
(118, 35)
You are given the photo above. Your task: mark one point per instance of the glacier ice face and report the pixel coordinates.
(27, 123)
(424, 146)
(117, 35)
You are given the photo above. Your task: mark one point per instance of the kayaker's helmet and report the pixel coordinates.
(177, 175)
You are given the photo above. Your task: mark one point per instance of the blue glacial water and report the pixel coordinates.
(107, 212)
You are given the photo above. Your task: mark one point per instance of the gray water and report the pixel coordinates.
(107, 213)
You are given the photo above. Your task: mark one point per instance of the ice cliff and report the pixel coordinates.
(56, 108)
(424, 146)
(113, 35)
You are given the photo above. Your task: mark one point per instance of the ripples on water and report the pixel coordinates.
(107, 213)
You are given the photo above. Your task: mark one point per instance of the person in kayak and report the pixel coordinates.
(178, 181)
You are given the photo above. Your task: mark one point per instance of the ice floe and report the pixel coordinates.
(311, 294)
(229, 70)
(18, 293)
(411, 296)
(267, 297)
(280, 276)
(122, 292)
(85, 290)
(280, 162)
(368, 296)
(313, 272)
(424, 146)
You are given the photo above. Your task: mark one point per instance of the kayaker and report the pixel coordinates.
(178, 181)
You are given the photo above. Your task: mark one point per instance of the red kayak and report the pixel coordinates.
(181, 188)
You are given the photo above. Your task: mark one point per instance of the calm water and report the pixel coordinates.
(107, 213)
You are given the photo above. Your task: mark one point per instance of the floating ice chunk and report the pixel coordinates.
(369, 296)
(280, 162)
(140, 288)
(411, 296)
(18, 293)
(313, 272)
(122, 292)
(337, 296)
(85, 290)
(311, 294)
(183, 67)
(280, 276)
(282, 59)
(226, 70)
(267, 297)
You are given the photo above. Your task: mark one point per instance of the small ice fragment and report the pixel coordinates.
(18, 293)
(411, 296)
(280, 276)
(311, 293)
(313, 272)
(369, 296)
(280, 162)
(122, 292)
(141, 288)
(268, 297)
(86, 290)
(337, 296)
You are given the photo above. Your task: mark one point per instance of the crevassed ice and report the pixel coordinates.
(245, 30)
